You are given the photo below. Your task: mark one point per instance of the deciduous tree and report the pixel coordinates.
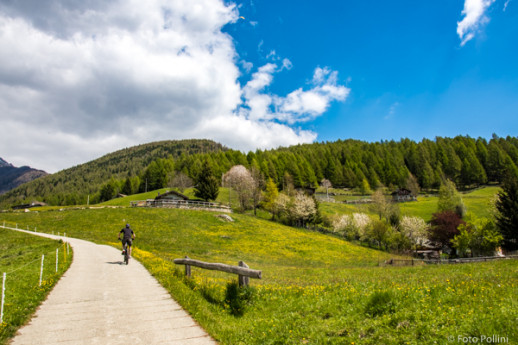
(181, 181)
(450, 199)
(415, 229)
(444, 227)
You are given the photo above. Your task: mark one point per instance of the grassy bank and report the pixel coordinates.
(316, 289)
(20, 259)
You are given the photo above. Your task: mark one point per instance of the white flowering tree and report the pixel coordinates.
(352, 226)
(302, 208)
(240, 180)
(281, 205)
(325, 183)
(415, 229)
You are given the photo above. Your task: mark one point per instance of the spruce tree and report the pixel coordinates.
(207, 186)
(507, 206)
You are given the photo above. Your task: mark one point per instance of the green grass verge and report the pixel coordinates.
(316, 289)
(20, 258)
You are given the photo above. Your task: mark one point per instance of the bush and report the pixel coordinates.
(236, 298)
(380, 302)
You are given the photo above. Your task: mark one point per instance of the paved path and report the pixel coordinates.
(101, 301)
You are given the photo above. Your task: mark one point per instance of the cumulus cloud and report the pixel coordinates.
(474, 16)
(79, 79)
(299, 105)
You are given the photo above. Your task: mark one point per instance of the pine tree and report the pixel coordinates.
(206, 186)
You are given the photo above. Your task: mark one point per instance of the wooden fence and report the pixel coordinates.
(182, 204)
(414, 262)
(243, 271)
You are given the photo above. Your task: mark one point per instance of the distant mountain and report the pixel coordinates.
(4, 163)
(12, 177)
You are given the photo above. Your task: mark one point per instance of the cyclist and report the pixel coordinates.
(128, 237)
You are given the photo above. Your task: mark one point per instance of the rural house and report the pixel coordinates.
(402, 195)
(174, 199)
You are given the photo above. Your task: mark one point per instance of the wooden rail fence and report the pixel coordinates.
(243, 271)
(412, 262)
(181, 204)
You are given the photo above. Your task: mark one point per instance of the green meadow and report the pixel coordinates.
(477, 202)
(316, 289)
(20, 259)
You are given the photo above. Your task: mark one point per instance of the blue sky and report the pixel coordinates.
(403, 61)
(80, 79)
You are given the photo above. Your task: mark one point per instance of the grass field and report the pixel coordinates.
(316, 289)
(20, 259)
(476, 201)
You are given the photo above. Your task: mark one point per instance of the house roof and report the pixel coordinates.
(401, 191)
(171, 192)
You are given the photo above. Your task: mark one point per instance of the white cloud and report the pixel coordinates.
(474, 16)
(392, 111)
(298, 105)
(506, 4)
(79, 79)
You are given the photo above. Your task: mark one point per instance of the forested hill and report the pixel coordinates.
(346, 163)
(73, 185)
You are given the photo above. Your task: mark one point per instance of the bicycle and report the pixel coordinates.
(125, 251)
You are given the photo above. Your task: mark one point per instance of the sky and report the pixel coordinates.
(80, 79)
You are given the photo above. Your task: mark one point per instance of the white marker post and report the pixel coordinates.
(41, 270)
(3, 298)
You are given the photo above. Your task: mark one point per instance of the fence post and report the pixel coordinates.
(3, 298)
(243, 281)
(41, 270)
(187, 269)
(57, 249)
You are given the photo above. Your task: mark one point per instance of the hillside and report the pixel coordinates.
(73, 185)
(12, 177)
(315, 289)
(351, 164)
